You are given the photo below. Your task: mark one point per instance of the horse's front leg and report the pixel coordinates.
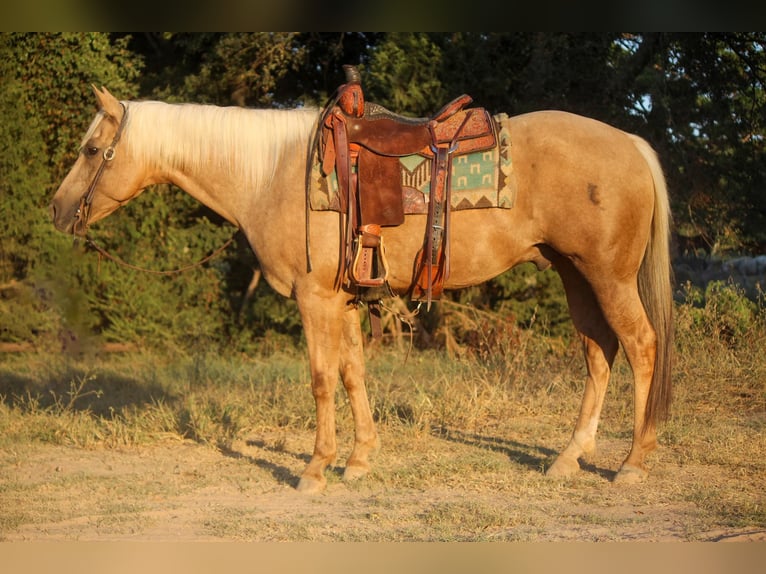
(352, 373)
(323, 325)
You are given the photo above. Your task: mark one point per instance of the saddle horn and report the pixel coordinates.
(352, 74)
(351, 99)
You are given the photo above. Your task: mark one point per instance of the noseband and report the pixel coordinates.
(82, 214)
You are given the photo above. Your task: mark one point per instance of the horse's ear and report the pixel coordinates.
(107, 102)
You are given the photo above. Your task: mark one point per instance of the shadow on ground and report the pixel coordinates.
(535, 458)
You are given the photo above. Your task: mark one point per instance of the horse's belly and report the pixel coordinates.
(483, 244)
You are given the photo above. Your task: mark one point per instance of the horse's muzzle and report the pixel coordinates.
(63, 222)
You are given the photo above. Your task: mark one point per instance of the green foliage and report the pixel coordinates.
(531, 296)
(27, 315)
(244, 68)
(152, 309)
(46, 102)
(56, 71)
(707, 117)
(483, 320)
(401, 75)
(522, 72)
(22, 161)
(721, 313)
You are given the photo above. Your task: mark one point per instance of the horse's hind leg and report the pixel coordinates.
(600, 348)
(623, 310)
(628, 317)
(352, 375)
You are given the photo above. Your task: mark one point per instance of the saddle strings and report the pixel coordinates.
(407, 318)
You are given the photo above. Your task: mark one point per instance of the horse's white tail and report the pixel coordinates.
(655, 289)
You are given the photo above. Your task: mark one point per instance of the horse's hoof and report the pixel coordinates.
(629, 474)
(355, 472)
(563, 467)
(311, 485)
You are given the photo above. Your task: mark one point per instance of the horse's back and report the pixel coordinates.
(571, 140)
(565, 124)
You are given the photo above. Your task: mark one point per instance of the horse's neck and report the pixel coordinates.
(228, 158)
(211, 191)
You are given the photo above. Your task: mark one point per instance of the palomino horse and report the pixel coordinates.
(591, 201)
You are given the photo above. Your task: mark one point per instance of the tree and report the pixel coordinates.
(47, 102)
(708, 98)
(46, 84)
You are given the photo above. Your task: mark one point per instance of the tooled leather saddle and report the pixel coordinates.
(362, 142)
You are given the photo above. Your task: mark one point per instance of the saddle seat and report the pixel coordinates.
(387, 133)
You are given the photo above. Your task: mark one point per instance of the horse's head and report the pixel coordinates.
(103, 178)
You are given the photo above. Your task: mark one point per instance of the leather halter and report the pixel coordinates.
(82, 214)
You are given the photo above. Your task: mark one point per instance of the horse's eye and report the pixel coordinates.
(91, 150)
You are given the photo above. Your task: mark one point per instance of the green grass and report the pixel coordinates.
(135, 399)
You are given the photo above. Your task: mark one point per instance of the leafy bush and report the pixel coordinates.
(721, 313)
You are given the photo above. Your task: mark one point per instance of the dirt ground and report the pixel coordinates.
(441, 490)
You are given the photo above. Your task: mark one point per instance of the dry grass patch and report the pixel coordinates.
(210, 446)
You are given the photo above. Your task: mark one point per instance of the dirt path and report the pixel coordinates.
(440, 490)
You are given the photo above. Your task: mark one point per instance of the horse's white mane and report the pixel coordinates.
(249, 142)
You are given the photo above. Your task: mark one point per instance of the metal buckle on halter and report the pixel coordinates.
(109, 153)
(80, 222)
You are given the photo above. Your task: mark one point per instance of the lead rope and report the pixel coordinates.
(103, 252)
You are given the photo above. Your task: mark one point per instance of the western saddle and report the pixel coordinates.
(362, 142)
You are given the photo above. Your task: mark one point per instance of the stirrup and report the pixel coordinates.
(369, 267)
